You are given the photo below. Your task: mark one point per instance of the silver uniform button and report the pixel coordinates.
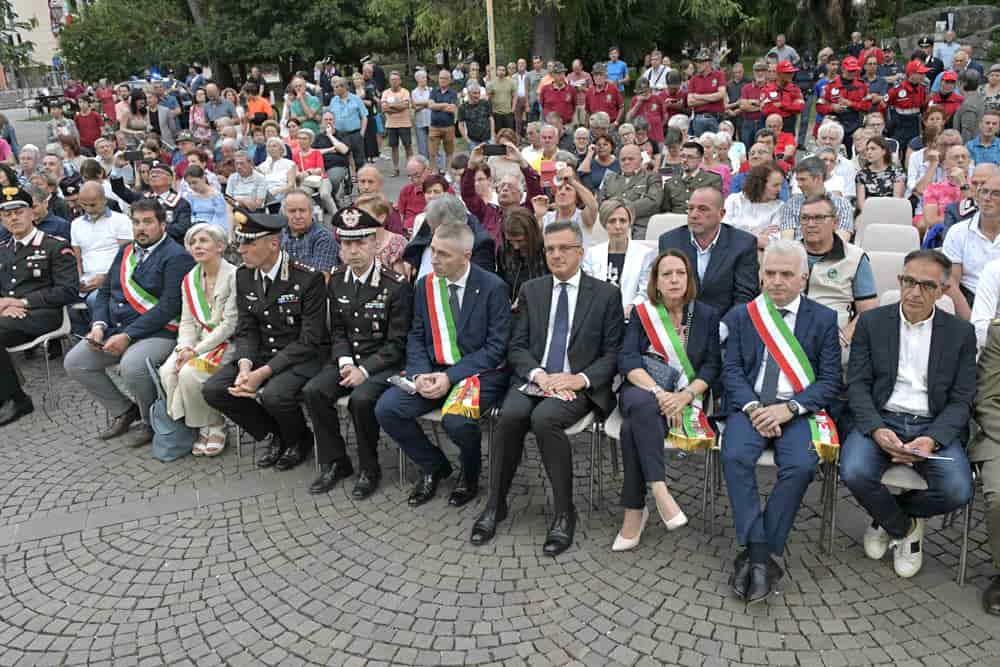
(270, 340)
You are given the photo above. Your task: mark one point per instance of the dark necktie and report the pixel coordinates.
(18, 246)
(560, 332)
(265, 283)
(453, 301)
(140, 254)
(769, 388)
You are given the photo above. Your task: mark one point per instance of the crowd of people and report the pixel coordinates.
(524, 279)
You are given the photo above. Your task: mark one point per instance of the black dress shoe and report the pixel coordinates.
(330, 474)
(427, 486)
(366, 485)
(274, 451)
(485, 527)
(296, 454)
(13, 410)
(463, 492)
(763, 576)
(121, 423)
(991, 598)
(741, 575)
(560, 535)
(54, 350)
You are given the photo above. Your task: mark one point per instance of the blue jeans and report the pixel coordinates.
(421, 133)
(703, 123)
(862, 464)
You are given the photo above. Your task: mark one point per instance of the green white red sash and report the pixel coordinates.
(194, 296)
(781, 343)
(140, 300)
(464, 397)
(695, 431)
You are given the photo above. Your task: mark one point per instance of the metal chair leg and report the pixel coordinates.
(706, 474)
(402, 469)
(48, 376)
(316, 451)
(614, 459)
(963, 559)
(599, 434)
(595, 470)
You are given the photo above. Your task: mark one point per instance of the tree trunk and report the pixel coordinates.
(544, 27)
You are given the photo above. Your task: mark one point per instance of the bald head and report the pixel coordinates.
(630, 158)
(92, 189)
(369, 180)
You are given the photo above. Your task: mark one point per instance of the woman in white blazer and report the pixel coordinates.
(620, 260)
(204, 337)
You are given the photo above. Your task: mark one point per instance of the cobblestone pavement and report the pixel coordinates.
(110, 557)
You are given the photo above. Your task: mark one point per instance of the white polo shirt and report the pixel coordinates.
(965, 244)
(99, 239)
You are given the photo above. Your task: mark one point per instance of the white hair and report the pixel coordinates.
(679, 122)
(216, 233)
(786, 248)
(832, 129)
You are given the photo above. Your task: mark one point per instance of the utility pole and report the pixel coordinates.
(491, 36)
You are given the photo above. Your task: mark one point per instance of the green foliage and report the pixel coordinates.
(12, 53)
(116, 38)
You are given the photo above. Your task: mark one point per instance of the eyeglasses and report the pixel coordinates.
(560, 249)
(986, 193)
(817, 218)
(907, 283)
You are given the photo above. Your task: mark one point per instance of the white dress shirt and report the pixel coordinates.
(785, 389)
(987, 303)
(460, 292)
(909, 395)
(966, 244)
(572, 292)
(703, 255)
(425, 263)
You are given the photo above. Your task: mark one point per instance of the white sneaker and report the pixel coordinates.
(626, 544)
(876, 542)
(908, 555)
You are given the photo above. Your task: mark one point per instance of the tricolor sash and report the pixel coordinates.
(464, 397)
(137, 296)
(201, 310)
(695, 431)
(781, 343)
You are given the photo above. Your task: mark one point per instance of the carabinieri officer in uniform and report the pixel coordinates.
(281, 342)
(370, 311)
(37, 278)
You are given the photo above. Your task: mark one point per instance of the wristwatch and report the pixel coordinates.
(750, 407)
(796, 408)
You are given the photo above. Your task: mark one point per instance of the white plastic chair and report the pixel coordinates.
(886, 267)
(881, 237)
(885, 211)
(662, 223)
(58, 334)
(892, 296)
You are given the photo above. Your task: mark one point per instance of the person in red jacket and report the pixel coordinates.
(558, 96)
(947, 98)
(906, 102)
(605, 97)
(846, 98)
(88, 124)
(783, 97)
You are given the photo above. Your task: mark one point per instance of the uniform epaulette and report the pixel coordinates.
(389, 273)
(304, 267)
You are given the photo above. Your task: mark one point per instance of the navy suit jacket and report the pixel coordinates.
(483, 247)
(817, 333)
(951, 371)
(732, 276)
(482, 329)
(161, 275)
(702, 348)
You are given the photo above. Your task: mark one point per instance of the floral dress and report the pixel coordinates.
(880, 183)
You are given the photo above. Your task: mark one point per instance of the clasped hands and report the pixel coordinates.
(14, 308)
(116, 344)
(560, 385)
(248, 381)
(899, 451)
(432, 385)
(672, 405)
(768, 420)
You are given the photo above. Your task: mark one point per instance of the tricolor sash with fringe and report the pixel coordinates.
(781, 343)
(695, 431)
(140, 300)
(194, 296)
(464, 397)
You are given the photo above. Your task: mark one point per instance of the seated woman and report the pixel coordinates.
(619, 261)
(573, 201)
(308, 162)
(208, 322)
(279, 172)
(757, 207)
(522, 255)
(714, 159)
(673, 329)
(880, 177)
(207, 203)
(389, 245)
(600, 159)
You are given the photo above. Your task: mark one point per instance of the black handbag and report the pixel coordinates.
(663, 374)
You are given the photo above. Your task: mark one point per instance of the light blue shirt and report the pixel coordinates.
(349, 113)
(981, 154)
(617, 72)
(209, 209)
(946, 52)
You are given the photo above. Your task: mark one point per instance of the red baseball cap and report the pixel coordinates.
(850, 64)
(949, 76)
(786, 67)
(916, 67)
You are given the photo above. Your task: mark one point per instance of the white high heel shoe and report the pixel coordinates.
(625, 544)
(677, 521)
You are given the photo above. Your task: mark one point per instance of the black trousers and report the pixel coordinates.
(503, 120)
(321, 395)
(15, 332)
(547, 418)
(279, 398)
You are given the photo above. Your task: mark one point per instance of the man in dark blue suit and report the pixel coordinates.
(773, 390)
(135, 318)
(461, 324)
(724, 258)
(418, 251)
